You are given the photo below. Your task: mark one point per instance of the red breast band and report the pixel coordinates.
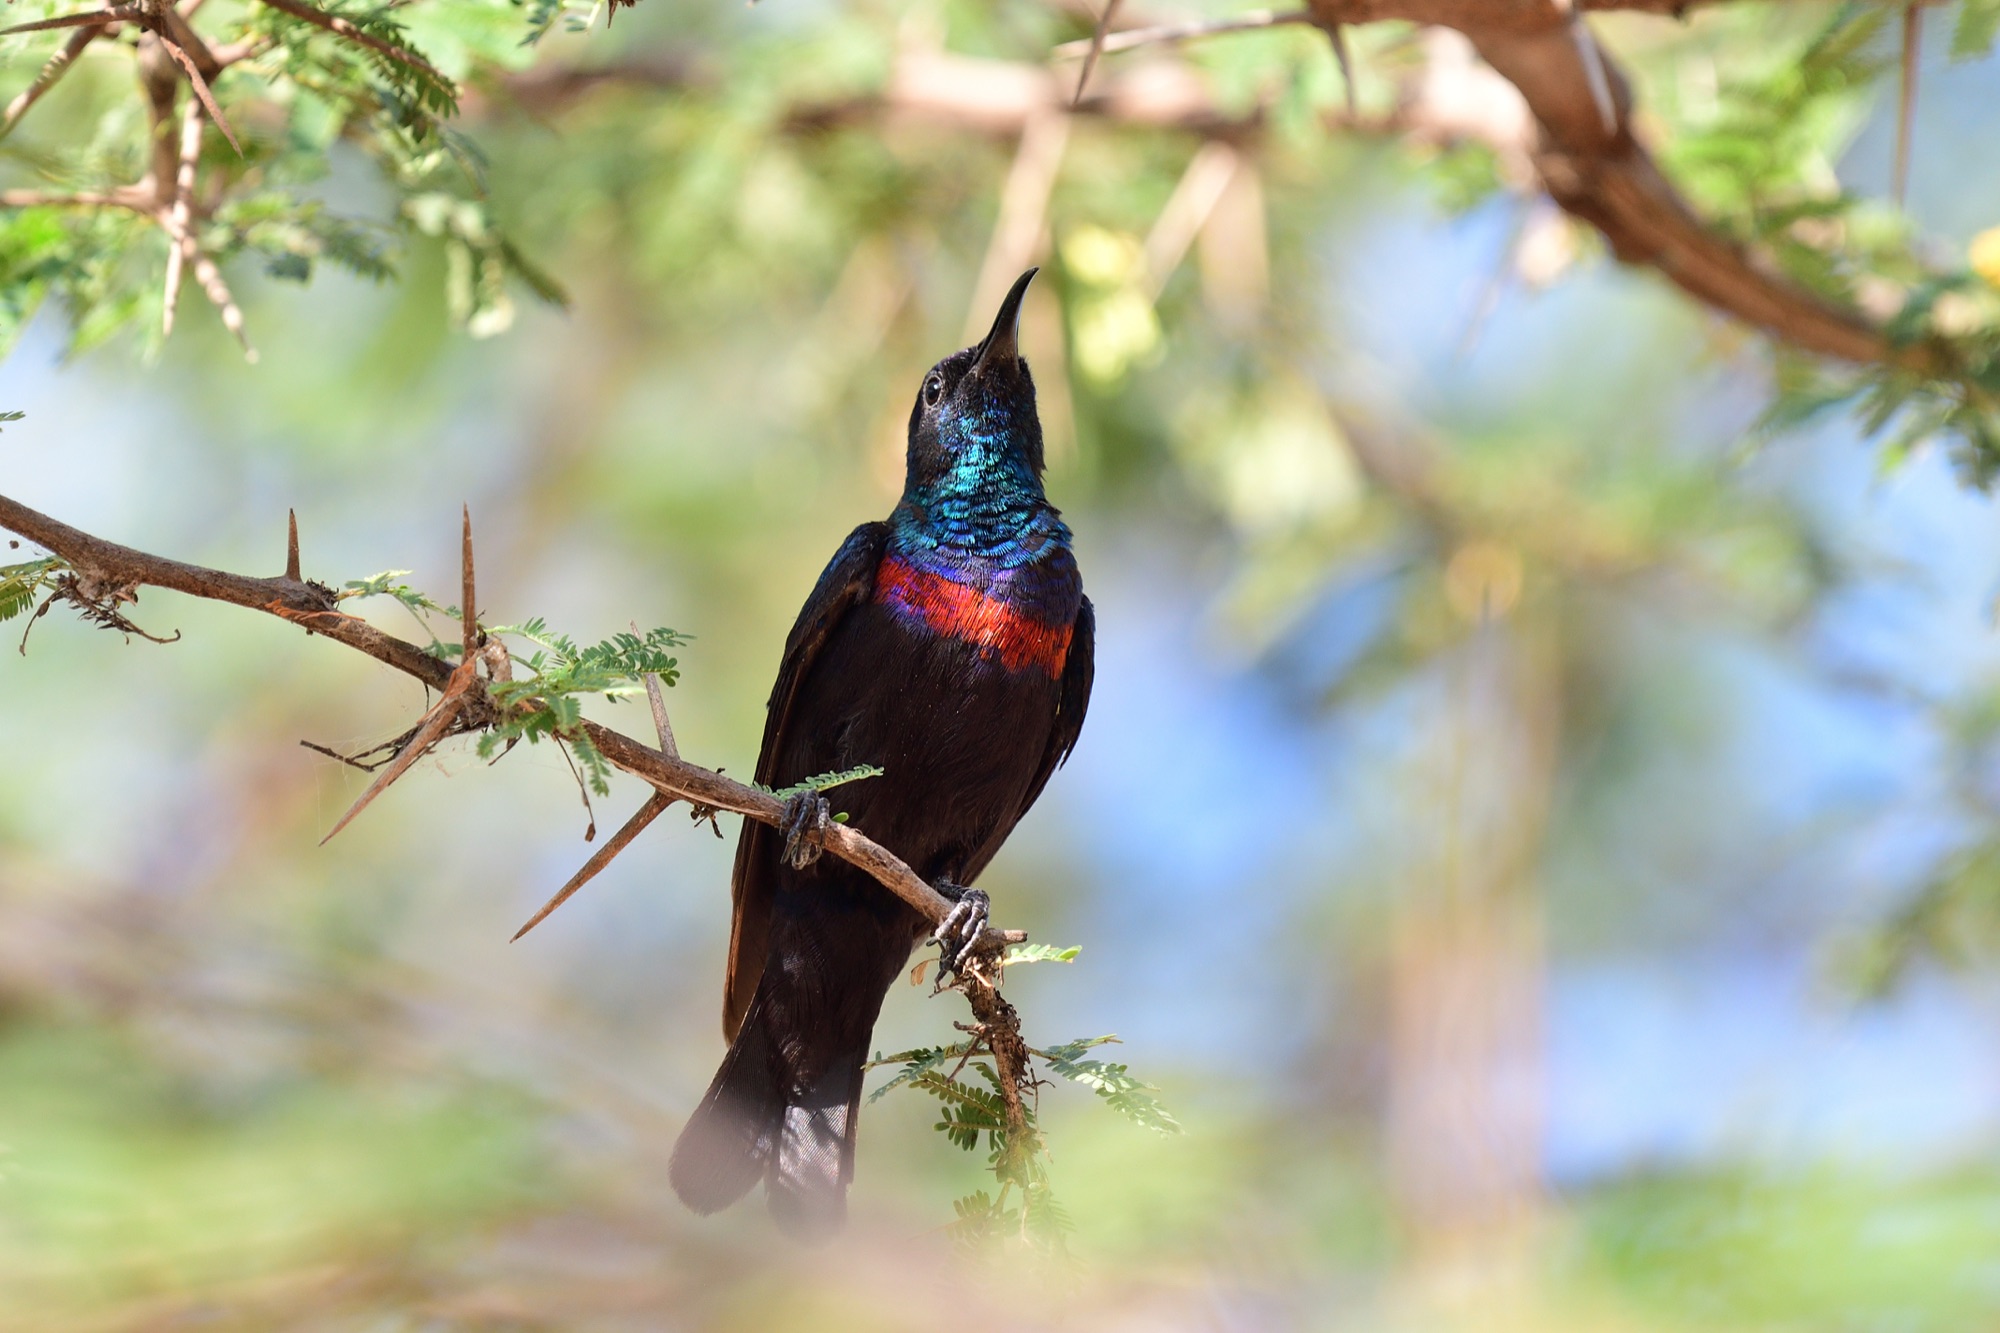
(967, 614)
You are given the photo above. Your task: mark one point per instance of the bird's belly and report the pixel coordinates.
(958, 733)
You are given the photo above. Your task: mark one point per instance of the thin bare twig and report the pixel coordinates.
(132, 200)
(1111, 43)
(582, 790)
(57, 66)
(1096, 49)
(347, 759)
(179, 212)
(292, 545)
(89, 19)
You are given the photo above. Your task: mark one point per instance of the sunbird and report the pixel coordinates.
(950, 646)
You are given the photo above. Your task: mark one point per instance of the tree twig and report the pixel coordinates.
(88, 19)
(178, 215)
(201, 89)
(125, 197)
(1159, 34)
(312, 607)
(57, 66)
(1093, 49)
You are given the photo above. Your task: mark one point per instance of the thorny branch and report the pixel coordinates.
(106, 575)
(1543, 94)
(170, 52)
(1558, 105)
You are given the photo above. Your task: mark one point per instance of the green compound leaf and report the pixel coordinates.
(21, 585)
(1040, 953)
(822, 782)
(1130, 1097)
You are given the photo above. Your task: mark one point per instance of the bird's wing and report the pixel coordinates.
(1072, 699)
(848, 581)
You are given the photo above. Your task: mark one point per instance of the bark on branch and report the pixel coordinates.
(104, 574)
(311, 606)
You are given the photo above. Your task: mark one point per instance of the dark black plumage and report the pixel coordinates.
(950, 646)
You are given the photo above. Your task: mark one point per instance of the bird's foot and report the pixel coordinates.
(960, 930)
(806, 816)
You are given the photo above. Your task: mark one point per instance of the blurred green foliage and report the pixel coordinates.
(244, 1086)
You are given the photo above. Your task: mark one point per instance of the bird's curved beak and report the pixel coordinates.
(1002, 345)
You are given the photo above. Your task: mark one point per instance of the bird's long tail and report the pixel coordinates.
(784, 1106)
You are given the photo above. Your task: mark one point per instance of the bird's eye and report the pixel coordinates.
(933, 389)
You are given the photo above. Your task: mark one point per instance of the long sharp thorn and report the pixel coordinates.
(72, 21)
(292, 545)
(658, 700)
(427, 735)
(200, 86)
(1096, 50)
(217, 291)
(646, 814)
(1338, 36)
(180, 213)
(468, 616)
(660, 723)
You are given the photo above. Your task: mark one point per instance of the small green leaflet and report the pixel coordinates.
(822, 782)
(1126, 1095)
(1040, 953)
(916, 1064)
(386, 584)
(21, 584)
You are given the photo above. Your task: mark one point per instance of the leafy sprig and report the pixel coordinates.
(21, 585)
(822, 782)
(549, 703)
(546, 704)
(973, 1112)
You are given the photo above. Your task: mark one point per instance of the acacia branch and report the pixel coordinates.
(1546, 98)
(311, 606)
(1595, 167)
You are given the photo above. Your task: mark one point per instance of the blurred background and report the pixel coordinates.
(1538, 832)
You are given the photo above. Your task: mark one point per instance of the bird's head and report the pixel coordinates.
(974, 421)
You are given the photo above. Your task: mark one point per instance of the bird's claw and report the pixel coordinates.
(963, 925)
(805, 817)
